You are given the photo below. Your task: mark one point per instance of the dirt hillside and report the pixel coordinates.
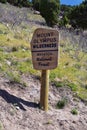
(19, 108)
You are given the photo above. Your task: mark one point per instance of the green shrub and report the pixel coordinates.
(74, 111)
(20, 3)
(3, 1)
(50, 10)
(36, 4)
(72, 86)
(1, 49)
(61, 103)
(14, 49)
(86, 86)
(59, 84)
(13, 77)
(66, 83)
(78, 17)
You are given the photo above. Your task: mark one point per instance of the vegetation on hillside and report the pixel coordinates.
(36, 4)
(20, 3)
(78, 16)
(74, 16)
(48, 9)
(15, 53)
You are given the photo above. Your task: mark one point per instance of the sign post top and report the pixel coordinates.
(44, 47)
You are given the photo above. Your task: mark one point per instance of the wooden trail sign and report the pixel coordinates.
(44, 47)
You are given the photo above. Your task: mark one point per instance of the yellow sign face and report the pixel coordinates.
(44, 47)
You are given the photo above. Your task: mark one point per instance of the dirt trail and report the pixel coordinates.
(19, 108)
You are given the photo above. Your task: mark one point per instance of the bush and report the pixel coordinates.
(64, 21)
(3, 1)
(61, 103)
(50, 10)
(36, 4)
(72, 86)
(86, 86)
(20, 3)
(59, 84)
(14, 49)
(74, 111)
(78, 16)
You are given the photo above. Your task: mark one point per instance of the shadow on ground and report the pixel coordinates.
(9, 98)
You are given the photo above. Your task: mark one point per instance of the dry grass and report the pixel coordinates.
(15, 53)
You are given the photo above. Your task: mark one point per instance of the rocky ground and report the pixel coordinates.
(14, 16)
(19, 108)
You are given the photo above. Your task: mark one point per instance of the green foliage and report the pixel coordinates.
(72, 62)
(78, 16)
(25, 3)
(36, 4)
(64, 21)
(13, 77)
(82, 94)
(64, 11)
(14, 48)
(61, 103)
(3, 1)
(72, 86)
(20, 3)
(59, 84)
(66, 83)
(74, 111)
(49, 9)
(65, 8)
(86, 86)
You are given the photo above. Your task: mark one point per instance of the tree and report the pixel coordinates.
(3, 1)
(64, 11)
(25, 3)
(78, 16)
(64, 21)
(49, 9)
(36, 4)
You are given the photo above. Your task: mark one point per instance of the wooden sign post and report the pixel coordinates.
(44, 47)
(44, 90)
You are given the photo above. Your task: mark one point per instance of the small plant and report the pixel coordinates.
(86, 86)
(14, 49)
(1, 49)
(1, 32)
(78, 66)
(74, 111)
(13, 77)
(48, 122)
(59, 84)
(24, 84)
(61, 103)
(72, 86)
